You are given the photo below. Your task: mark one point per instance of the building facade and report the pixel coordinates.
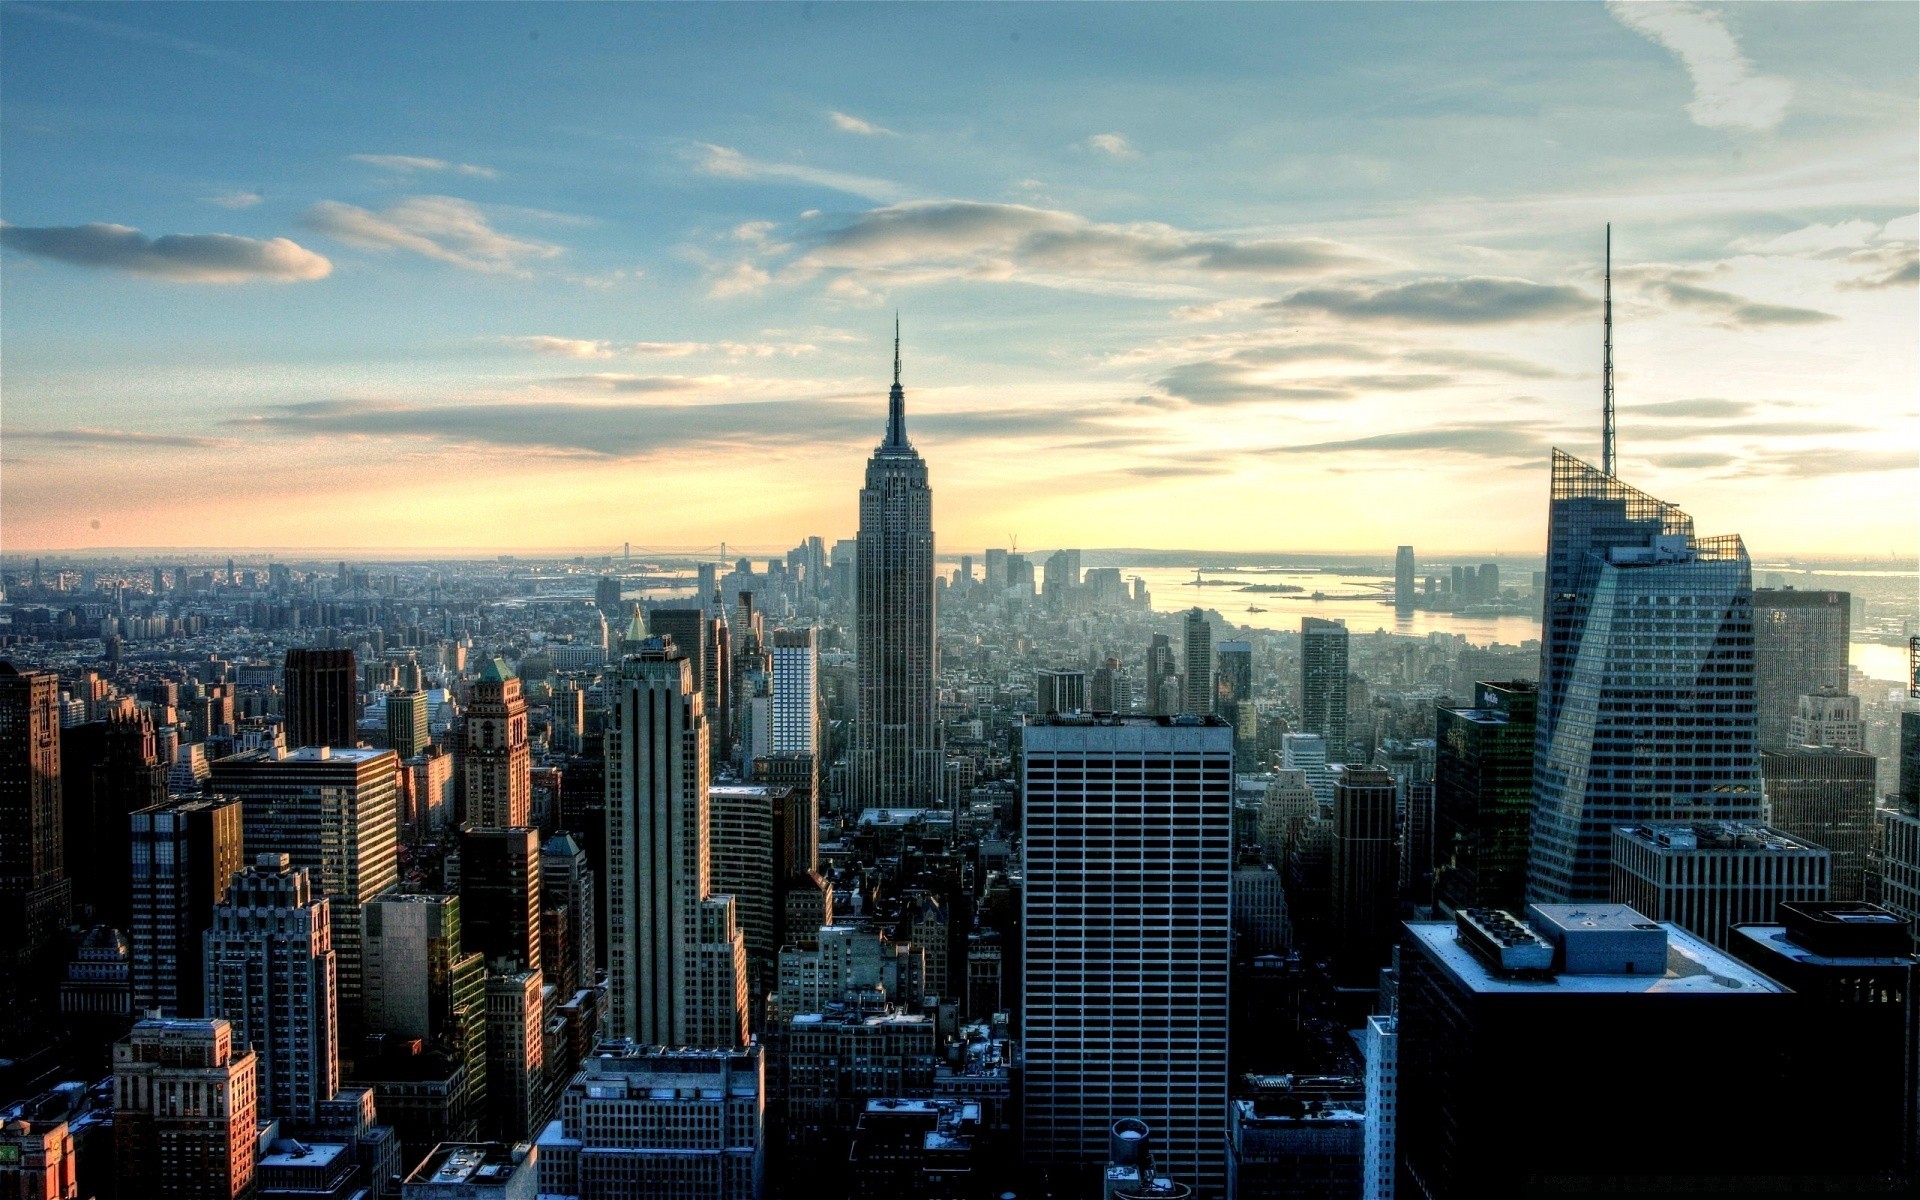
(1799, 647)
(1323, 683)
(184, 857)
(498, 757)
(1825, 796)
(185, 1110)
(322, 690)
(1708, 877)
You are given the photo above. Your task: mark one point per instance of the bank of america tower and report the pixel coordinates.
(896, 738)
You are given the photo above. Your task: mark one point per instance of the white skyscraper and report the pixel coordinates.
(675, 959)
(1128, 928)
(795, 724)
(1382, 1047)
(1307, 752)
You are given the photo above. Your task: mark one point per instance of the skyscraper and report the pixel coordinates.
(1799, 647)
(693, 633)
(108, 769)
(1365, 872)
(1323, 683)
(1127, 935)
(1233, 681)
(1161, 676)
(896, 734)
(407, 723)
(1403, 573)
(500, 895)
(35, 895)
(186, 1107)
(185, 854)
(1826, 796)
(676, 963)
(1646, 678)
(270, 971)
(1197, 659)
(1707, 877)
(1058, 691)
(1483, 797)
(795, 693)
(499, 761)
(516, 1056)
(321, 688)
(567, 882)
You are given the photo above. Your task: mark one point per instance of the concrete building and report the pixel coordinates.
(1056, 691)
(913, 1148)
(1259, 910)
(567, 883)
(837, 1061)
(1307, 754)
(1707, 877)
(1295, 1137)
(498, 757)
(1826, 718)
(407, 733)
(500, 895)
(1196, 660)
(1127, 932)
(422, 985)
(475, 1171)
(185, 1110)
(35, 894)
(184, 856)
(1826, 796)
(37, 1161)
(657, 1123)
(516, 1055)
(1379, 1168)
(747, 835)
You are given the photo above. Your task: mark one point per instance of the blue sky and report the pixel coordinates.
(1284, 277)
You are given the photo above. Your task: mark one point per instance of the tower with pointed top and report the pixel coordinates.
(896, 738)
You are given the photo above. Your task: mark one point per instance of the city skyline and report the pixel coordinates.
(1174, 277)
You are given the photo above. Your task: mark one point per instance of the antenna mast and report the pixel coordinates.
(1606, 366)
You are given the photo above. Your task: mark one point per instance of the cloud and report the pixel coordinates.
(1111, 144)
(650, 384)
(1474, 360)
(408, 164)
(852, 124)
(1701, 407)
(1823, 461)
(1226, 383)
(1689, 461)
(443, 228)
(741, 279)
(729, 163)
(563, 347)
(116, 438)
(990, 241)
(1904, 272)
(184, 257)
(1726, 92)
(1484, 441)
(1472, 300)
(1732, 310)
(1674, 431)
(235, 199)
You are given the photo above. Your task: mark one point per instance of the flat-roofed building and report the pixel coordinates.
(1708, 876)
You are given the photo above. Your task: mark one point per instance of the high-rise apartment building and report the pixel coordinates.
(1196, 659)
(322, 689)
(646, 1122)
(1323, 683)
(1707, 877)
(795, 693)
(35, 896)
(500, 896)
(1127, 935)
(896, 734)
(1646, 678)
(1483, 797)
(669, 984)
(1826, 796)
(1799, 647)
(499, 760)
(334, 813)
(186, 1109)
(184, 855)
(270, 973)
(1059, 691)
(1366, 874)
(1403, 575)
(748, 863)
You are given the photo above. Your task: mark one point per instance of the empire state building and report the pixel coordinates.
(896, 739)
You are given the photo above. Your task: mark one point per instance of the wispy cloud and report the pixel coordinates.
(1728, 309)
(182, 257)
(1473, 300)
(565, 347)
(1111, 144)
(1726, 92)
(1484, 441)
(1704, 406)
(443, 228)
(117, 438)
(236, 199)
(1818, 462)
(848, 123)
(728, 163)
(408, 164)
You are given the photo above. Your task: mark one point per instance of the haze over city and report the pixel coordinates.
(1286, 278)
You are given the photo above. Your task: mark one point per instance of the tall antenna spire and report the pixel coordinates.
(1606, 365)
(897, 399)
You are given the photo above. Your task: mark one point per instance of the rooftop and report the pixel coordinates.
(462, 1164)
(1693, 967)
(1716, 835)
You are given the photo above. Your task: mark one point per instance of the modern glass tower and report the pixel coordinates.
(896, 737)
(1323, 683)
(1646, 707)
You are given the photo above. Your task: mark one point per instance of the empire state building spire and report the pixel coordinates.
(897, 398)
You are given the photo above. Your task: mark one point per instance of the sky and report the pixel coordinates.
(1263, 277)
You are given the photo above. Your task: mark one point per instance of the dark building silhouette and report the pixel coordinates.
(500, 895)
(35, 896)
(321, 691)
(1483, 797)
(1366, 873)
(108, 770)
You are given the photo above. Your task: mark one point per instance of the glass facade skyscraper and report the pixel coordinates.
(1646, 678)
(1323, 683)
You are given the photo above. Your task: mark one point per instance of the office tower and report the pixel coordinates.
(1646, 678)
(500, 895)
(474, 1171)
(607, 597)
(693, 633)
(1259, 909)
(1852, 1032)
(1909, 767)
(1307, 754)
(567, 883)
(1197, 660)
(896, 735)
(333, 812)
(850, 966)
(516, 1055)
(186, 1106)
(433, 791)
(184, 854)
(1707, 877)
(838, 1061)
(37, 1160)
(1060, 577)
(669, 984)
(35, 896)
(270, 972)
(799, 776)
(108, 769)
(1825, 796)
(322, 690)
(1295, 1136)
(748, 856)
(407, 723)
(1161, 675)
(641, 1122)
(1366, 873)
(1799, 647)
(1127, 930)
(421, 984)
(795, 693)
(1323, 683)
(1483, 797)
(1380, 1044)
(1107, 689)
(1403, 573)
(1233, 680)
(499, 761)
(1486, 1000)
(1826, 719)
(993, 572)
(1059, 691)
